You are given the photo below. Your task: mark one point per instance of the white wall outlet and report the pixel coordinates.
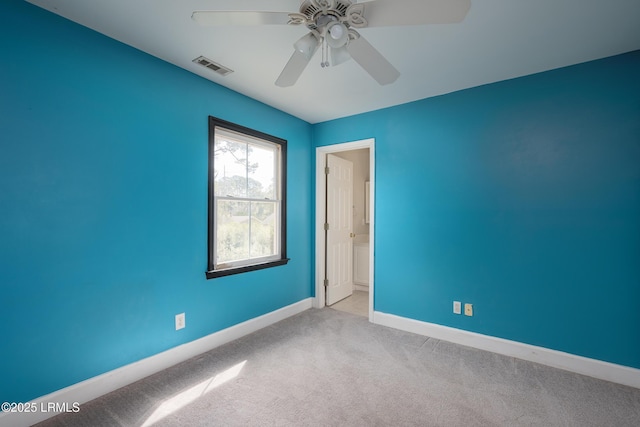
(468, 309)
(457, 307)
(180, 321)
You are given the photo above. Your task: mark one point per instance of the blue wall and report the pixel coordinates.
(521, 197)
(103, 195)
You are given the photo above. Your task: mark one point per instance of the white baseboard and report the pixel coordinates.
(591, 367)
(110, 381)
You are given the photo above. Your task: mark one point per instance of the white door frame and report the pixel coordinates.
(321, 152)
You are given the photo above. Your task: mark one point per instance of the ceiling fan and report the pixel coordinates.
(332, 27)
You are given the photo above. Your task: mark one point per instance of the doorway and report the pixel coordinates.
(321, 209)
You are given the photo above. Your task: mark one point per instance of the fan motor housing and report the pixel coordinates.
(313, 8)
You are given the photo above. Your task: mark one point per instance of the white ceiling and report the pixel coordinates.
(498, 40)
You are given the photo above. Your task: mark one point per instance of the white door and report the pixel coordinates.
(339, 268)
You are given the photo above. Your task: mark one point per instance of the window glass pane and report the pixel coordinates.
(232, 235)
(230, 168)
(247, 224)
(262, 172)
(263, 229)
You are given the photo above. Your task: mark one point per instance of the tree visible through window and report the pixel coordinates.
(247, 226)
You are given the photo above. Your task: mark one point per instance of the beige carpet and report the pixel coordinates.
(330, 368)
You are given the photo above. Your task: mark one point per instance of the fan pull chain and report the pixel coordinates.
(325, 57)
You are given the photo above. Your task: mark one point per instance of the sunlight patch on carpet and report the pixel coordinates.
(181, 400)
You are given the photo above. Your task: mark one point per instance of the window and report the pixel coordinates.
(247, 200)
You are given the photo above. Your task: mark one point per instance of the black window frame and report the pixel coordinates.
(211, 272)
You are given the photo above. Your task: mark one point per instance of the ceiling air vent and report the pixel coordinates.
(220, 69)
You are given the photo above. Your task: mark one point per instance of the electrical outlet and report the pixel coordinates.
(180, 321)
(468, 309)
(457, 307)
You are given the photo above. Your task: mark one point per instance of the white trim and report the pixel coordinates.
(321, 152)
(92, 388)
(581, 365)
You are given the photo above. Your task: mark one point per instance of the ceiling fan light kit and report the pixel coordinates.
(332, 25)
(338, 35)
(340, 55)
(307, 45)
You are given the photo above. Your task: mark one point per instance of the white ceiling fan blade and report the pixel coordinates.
(386, 13)
(372, 61)
(294, 68)
(239, 17)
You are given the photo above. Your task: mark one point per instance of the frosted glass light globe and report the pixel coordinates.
(337, 35)
(336, 31)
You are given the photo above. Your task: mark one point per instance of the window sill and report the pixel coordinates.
(237, 270)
